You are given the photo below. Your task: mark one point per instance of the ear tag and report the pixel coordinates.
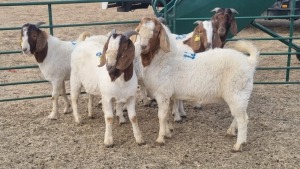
(197, 38)
(99, 54)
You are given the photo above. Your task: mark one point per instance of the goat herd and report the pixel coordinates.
(168, 68)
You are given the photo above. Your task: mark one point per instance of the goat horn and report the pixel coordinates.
(161, 20)
(39, 24)
(215, 10)
(234, 11)
(197, 22)
(128, 34)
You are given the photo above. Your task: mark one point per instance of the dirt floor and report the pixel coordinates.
(29, 140)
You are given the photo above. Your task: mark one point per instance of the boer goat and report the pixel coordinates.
(53, 57)
(211, 76)
(116, 81)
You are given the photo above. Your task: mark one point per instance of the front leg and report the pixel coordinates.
(163, 109)
(67, 108)
(56, 90)
(108, 116)
(134, 121)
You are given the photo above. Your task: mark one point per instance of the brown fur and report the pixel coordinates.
(223, 20)
(125, 57)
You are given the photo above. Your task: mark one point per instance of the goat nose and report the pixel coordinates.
(24, 49)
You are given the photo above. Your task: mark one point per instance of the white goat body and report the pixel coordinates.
(219, 74)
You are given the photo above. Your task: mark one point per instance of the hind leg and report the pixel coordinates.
(67, 108)
(238, 111)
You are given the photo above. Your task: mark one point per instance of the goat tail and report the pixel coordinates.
(248, 47)
(83, 36)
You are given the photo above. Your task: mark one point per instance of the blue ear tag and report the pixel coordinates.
(99, 54)
(180, 37)
(74, 42)
(189, 55)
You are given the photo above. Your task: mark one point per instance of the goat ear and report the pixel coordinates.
(164, 40)
(103, 57)
(233, 27)
(41, 41)
(217, 42)
(127, 56)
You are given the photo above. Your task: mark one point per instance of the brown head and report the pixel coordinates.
(202, 37)
(153, 37)
(118, 55)
(223, 20)
(34, 41)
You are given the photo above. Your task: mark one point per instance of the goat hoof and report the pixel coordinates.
(178, 120)
(183, 116)
(52, 116)
(159, 144)
(91, 116)
(109, 145)
(238, 148)
(141, 143)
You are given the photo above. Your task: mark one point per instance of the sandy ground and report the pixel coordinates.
(29, 140)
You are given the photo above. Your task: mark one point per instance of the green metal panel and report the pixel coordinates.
(202, 9)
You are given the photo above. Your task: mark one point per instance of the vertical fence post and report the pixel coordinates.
(50, 18)
(292, 5)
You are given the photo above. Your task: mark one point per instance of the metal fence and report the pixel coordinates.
(286, 40)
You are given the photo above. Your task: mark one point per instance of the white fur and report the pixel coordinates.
(214, 75)
(96, 81)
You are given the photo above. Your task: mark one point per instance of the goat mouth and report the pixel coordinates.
(145, 51)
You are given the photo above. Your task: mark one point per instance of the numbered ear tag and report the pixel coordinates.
(197, 38)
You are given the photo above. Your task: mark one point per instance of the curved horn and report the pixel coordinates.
(215, 10)
(197, 22)
(39, 24)
(128, 34)
(161, 20)
(234, 11)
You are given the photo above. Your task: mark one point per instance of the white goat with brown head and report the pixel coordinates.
(53, 57)
(211, 76)
(115, 79)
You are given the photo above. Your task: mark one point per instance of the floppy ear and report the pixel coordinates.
(164, 40)
(216, 42)
(233, 27)
(194, 41)
(41, 41)
(127, 56)
(103, 57)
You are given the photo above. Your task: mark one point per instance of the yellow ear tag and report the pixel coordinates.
(197, 38)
